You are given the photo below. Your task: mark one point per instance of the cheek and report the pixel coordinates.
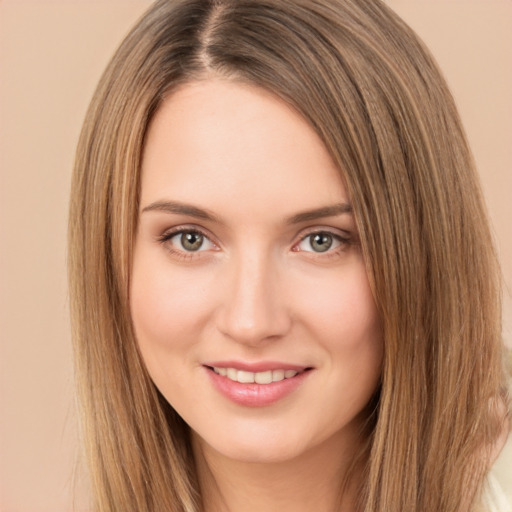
(341, 309)
(167, 306)
(350, 331)
(342, 318)
(168, 311)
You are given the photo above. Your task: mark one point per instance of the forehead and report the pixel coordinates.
(220, 142)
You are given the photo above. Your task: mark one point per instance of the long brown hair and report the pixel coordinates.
(373, 93)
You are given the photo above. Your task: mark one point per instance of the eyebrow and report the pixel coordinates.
(319, 213)
(181, 209)
(203, 214)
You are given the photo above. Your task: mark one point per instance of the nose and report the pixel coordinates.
(254, 308)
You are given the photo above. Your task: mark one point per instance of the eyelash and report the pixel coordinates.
(182, 254)
(344, 243)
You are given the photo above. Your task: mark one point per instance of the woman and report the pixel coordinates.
(284, 290)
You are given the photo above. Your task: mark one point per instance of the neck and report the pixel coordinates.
(324, 478)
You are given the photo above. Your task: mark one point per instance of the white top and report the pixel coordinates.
(495, 498)
(498, 492)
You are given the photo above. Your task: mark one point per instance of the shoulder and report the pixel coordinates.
(497, 496)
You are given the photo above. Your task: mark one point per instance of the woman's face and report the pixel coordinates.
(249, 294)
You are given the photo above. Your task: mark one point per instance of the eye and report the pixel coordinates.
(320, 242)
(191, 241)
(187, 240)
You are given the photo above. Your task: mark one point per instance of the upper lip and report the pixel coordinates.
(255, 367)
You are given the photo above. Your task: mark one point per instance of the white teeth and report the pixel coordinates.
(265, 377)
(277, 375)
(245, 377)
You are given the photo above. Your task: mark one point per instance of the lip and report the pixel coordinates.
(261, 366)
(253, 394)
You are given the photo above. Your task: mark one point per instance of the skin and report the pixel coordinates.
(257, 289)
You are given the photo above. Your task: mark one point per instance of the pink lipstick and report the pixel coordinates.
(256, 384)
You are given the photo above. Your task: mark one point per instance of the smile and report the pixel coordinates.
(266, 384)
(246, 377)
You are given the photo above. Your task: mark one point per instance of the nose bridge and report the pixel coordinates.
(254, 307)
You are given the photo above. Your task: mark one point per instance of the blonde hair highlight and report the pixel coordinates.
(373, 93)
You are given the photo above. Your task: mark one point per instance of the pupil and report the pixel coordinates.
(191, 241)
(321, 242)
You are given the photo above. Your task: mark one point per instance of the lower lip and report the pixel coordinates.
(256, 395)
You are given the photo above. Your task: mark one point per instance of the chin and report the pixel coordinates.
(260, 445)
(258, 453)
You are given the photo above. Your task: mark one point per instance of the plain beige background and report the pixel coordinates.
(51, 56)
